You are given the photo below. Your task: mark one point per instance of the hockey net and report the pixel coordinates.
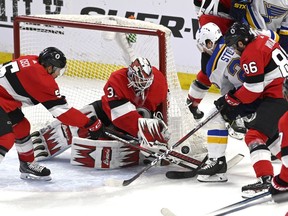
(95, 46)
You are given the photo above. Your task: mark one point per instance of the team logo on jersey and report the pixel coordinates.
(273, 12)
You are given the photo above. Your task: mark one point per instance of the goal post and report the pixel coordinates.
(94, 47)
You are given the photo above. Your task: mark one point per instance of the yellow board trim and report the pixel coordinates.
(185, 79)
(5, 57)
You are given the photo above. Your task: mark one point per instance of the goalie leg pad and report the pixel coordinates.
(102, 154)
(52, 140)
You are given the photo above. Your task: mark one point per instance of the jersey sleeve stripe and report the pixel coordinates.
(122, 110)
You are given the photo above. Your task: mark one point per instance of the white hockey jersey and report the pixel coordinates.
(268, 14)
(223, 68)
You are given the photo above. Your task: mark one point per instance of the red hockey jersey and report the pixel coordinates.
(263, 62)
(24, 82)
(120, 102)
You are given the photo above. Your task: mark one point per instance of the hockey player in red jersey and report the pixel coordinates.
(264, 74)
(280, 182)
(129, 95)
(27, 81)
(258, 14)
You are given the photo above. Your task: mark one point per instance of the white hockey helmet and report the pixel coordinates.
(140, 74)
(208, 32)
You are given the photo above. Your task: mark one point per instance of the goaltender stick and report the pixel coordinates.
(129, 95)
(27, 81)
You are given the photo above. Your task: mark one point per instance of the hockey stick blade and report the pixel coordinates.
(190, 174)
(129, 181)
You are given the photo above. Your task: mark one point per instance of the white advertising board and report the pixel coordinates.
(179, 16)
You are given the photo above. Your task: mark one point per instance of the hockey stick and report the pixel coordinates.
(132, 141)
(230, 208)
(164, 155)
(189, 174)
(253, 201)
(256, 200)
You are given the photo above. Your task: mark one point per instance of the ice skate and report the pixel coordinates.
(261, 186)
(214, 170)
(197, 114)
(34, 171)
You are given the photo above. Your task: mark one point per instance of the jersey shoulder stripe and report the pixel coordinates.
(18, 87)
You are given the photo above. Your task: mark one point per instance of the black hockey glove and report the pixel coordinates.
(94, 128)
(238, 9)
(227, 104)
(278, 188)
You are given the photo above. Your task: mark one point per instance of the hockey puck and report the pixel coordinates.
(185, 149)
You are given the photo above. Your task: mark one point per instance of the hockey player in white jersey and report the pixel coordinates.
(224, 71)
(267, 15)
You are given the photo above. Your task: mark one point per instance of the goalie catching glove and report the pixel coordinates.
(56, 137)
(153, 134)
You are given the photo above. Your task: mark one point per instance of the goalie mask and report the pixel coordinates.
(52, 56)
(140, 75)
(208, 33)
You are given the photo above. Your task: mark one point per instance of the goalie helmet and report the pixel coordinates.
(52, 56)
(238, 32)
(140, 74)
(209, 32)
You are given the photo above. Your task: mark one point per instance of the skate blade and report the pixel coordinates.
(29, 176)
(212, 178)
(252, 193)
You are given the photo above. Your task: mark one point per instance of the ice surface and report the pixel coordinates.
(82, 191)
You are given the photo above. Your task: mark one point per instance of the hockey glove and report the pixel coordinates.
(278, 187)
(153, 134)
(227, 104)
(238, 9)
(93, 130)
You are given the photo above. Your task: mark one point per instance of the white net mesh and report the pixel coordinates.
(94, 53)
